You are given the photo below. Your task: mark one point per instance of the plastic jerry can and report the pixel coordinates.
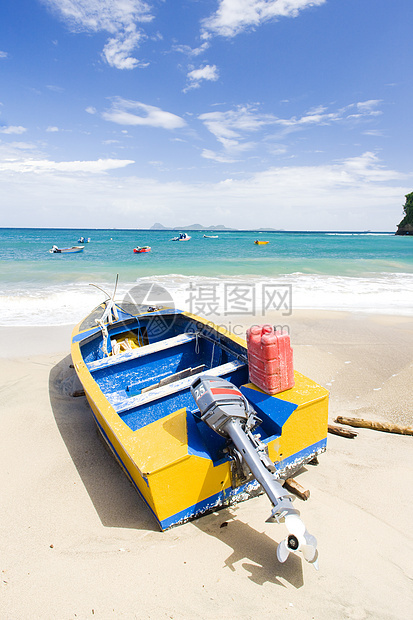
(270, 359)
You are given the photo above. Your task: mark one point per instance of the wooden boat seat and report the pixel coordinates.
(174, 387)
(147, 349)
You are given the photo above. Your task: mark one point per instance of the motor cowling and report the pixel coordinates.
(219, 401)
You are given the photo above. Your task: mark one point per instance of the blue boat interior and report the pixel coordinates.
(150, 382)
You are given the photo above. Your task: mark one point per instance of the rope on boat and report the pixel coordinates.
(212, 356)
(105, 336)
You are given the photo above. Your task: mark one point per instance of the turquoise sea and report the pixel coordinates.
(363, 271)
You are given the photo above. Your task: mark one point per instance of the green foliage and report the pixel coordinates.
(408, 210)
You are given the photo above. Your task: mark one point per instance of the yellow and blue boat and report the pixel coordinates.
(139, 366)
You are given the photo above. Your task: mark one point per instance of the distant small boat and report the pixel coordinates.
(261, 242)
(140, 250)
(182, 237)
(73, 250)
(84, 240)
(211, 236)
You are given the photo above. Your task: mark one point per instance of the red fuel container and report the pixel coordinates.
(270, 359)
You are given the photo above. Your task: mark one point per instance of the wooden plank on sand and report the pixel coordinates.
(294, 487)
(343, 432)
(386, 427)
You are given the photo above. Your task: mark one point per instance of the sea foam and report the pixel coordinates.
(219, 296)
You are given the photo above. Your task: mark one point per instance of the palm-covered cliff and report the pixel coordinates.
(406, 225)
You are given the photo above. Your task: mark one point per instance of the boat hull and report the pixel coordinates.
(73, 250)
(175, 462)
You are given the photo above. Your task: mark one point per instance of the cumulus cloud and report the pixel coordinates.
(135, 113)
(44, 165)
(117, 17)
(12, 129)
(235, 16)
(208, 73)
(52, 129)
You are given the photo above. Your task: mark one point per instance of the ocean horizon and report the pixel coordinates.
(359, 271)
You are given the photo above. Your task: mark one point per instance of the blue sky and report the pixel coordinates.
(293, 114)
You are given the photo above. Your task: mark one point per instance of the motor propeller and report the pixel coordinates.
(298, 540)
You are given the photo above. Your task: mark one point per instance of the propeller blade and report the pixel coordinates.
(295, 525)
(309, 552)
(282, 551)
(309, 548)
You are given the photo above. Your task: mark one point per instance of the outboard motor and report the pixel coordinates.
(228, 413)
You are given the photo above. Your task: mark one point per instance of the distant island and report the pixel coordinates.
(158, 226)
(406, 225)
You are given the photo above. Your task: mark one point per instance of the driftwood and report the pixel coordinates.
(386, 427)
(292, 485)
(343, 432)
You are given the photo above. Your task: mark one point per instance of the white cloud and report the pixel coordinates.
(135, 113)
(373, 132)
(235, 16)
(117, 17)
(118, 49)
(320, 116)
(230, 128)
(54, 88)
(12, 129)
(52, 129)
(368, 107)
(189, 51)
(209, 73)
(357, 193)
(223, 159)
(233, 127)
(45, 165)
(232, 123)
(3, 54)
(90, 110)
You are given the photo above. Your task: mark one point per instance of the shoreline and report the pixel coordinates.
(364, 360)
(69, 516)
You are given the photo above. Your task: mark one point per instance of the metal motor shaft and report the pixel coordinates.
(228, 413)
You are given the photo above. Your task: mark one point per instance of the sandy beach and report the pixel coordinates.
(78, 542)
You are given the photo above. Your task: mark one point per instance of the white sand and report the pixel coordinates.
(77, 541)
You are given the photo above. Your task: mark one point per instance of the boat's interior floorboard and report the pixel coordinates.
(174, 387)
(161, 345)
(137, 413)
